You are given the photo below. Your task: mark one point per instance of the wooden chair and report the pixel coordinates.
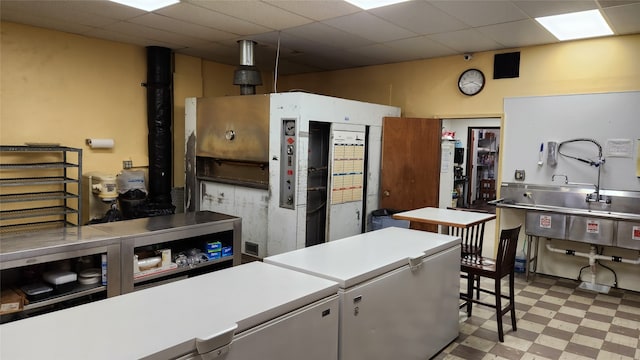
(503, 265)
(472, 242)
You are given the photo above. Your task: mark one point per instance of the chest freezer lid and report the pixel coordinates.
(362, 257)
(165, 321)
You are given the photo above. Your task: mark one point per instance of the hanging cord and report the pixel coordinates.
(587, 161)
(275, 72)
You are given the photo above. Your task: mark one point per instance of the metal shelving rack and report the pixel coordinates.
(40, 187)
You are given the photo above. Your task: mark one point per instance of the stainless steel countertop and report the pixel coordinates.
(502, 203)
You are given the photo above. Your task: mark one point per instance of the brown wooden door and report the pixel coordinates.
(410, 174)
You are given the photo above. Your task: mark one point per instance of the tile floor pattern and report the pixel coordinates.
(555, 320)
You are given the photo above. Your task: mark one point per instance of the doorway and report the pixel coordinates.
(467, 173)
(482, 165)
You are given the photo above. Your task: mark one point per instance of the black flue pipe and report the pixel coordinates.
(159, 111)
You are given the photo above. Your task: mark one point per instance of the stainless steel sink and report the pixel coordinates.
(561, 212)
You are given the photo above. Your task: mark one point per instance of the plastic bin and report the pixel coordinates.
(381, 218)
(521, 263)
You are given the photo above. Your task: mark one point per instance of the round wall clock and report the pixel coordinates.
(471, 82)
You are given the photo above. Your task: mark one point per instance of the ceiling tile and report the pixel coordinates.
(257, 12)
(176, 41)
(317, 35)
(537, 8)
(379, 52)
(325, 34)
(420, 47)
(466, 41)
(181, 27)
(369, 27)
(481, 12)
(205, 17)
(126, 38)
(316, 9)
(624, 19)
(105, 8)
(419, 17)
(61, 11)
(611, 3)
(518, 33)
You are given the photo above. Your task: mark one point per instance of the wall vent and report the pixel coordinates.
(251, 248)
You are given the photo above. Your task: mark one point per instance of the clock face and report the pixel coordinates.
(471, 82)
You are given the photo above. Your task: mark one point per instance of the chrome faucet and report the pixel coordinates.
(594, 196)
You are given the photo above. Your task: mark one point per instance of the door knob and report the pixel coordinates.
(386, 193)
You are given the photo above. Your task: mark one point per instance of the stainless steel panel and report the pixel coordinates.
(549, 225)
(628, 235)
(569, 198)
(233, 128)
(591, 230)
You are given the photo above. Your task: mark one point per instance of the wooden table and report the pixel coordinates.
(469, 225)
(445, 217)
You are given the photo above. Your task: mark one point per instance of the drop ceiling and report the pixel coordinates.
(318, 35)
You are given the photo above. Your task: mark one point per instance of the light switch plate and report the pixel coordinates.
(519, 175)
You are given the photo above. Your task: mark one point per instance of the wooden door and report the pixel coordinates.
(410, 174)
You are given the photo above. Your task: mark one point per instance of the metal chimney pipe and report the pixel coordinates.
(246, 52)
(247, 75)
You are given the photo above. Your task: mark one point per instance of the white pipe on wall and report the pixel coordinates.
(592, 256)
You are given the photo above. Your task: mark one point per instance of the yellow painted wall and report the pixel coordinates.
(429, 87)
(63, 88)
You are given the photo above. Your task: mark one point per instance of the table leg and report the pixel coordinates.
(531, 260)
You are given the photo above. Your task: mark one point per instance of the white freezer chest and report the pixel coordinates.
(251, 311)
(399, 290)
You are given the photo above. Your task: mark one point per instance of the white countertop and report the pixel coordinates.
(145, 322)
(445, 217)
(358, 258)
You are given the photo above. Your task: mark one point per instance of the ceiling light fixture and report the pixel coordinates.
(372, 4)
(147, 5)
(578, 25)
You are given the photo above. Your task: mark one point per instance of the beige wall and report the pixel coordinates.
(428, 87)
(63, 88)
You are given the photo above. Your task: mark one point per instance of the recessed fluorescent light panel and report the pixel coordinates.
(372, 4)
(578, 25)
(147, 5)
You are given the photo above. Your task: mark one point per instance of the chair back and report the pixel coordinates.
(472, 237)
(506, 258)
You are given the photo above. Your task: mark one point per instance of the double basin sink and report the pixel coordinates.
(563, 212)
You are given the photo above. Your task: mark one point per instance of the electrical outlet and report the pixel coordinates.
(519, 175)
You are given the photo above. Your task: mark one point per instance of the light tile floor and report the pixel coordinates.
(555, 320)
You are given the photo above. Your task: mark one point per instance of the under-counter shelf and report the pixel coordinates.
(46, 176)
(179, 233)
(77, 292)
(25, 256)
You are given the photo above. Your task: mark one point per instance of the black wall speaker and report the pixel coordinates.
(506, 65)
